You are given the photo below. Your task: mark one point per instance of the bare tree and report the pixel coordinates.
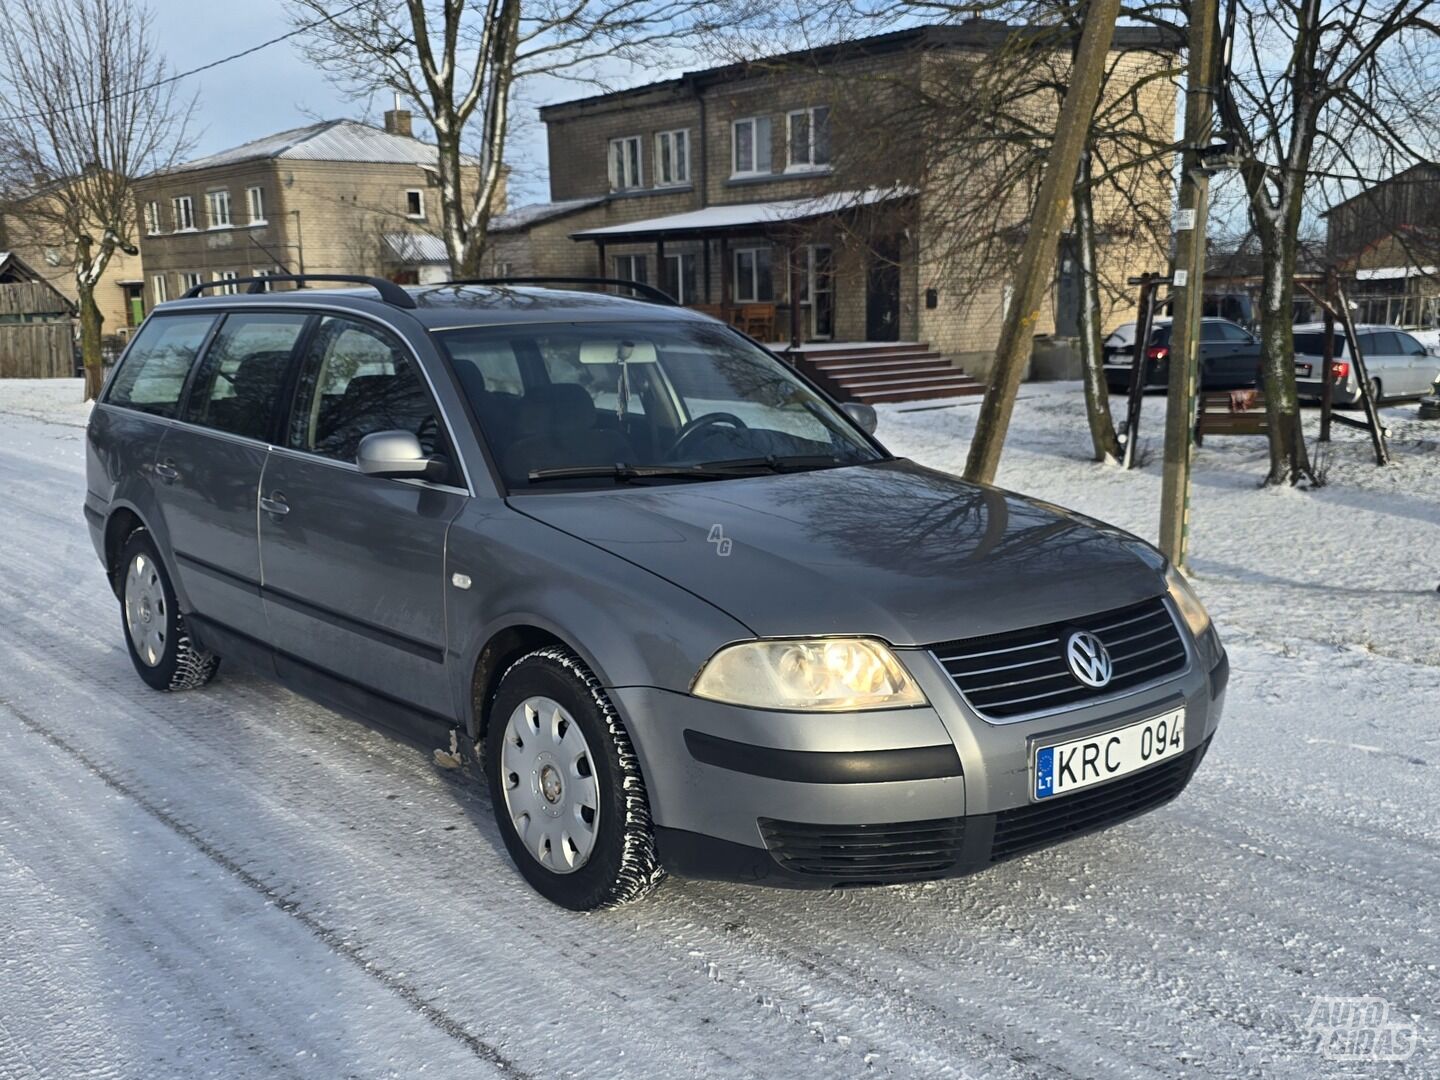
(973, 128)
(89, 106)
(461, 62)
(1322, 93)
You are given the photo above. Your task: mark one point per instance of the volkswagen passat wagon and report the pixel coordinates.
(686, 611)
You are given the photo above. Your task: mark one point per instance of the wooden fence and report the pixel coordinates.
(40, 347)
(39, 350)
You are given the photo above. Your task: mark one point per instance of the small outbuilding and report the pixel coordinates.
(37, 337)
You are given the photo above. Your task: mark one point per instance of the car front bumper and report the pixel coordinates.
(825, 800)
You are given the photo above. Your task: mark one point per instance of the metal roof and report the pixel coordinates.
(414, 247)
(331, 140)
(522, 217)
(732, 216)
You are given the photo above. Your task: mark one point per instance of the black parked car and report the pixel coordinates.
(1229, 356)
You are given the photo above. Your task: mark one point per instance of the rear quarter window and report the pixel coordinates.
(152, 375)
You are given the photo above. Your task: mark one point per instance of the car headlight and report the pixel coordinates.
(1193, 611)
(821, 674)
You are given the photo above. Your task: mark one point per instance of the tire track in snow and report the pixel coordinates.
(332, 939)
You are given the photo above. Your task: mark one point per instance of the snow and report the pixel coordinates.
(236, 882)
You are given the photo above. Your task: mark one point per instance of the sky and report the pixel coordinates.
(276, 89)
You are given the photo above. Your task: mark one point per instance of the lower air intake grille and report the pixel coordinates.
(1008, 675)
(1027, 828)
(866, 853)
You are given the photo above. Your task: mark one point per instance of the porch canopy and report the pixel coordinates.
(725, 221)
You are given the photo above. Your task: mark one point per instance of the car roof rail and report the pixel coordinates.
(389, 292)
(648, 292)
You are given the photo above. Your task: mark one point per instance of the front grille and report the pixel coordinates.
(1025, 671)
(1027, 828)
(866, 853)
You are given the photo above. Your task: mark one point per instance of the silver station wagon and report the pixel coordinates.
(684, 610)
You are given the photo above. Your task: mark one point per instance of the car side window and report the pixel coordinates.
(1389, 343)
(1211, 331)
(1411, 347)
(238, 385)
(152, 376)
(1233, 334)
(356, 379)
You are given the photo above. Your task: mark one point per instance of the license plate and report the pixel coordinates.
(1061, 768)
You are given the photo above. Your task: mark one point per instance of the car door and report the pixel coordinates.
(1386, 364)
(353, 565)
(1421, 369)
(210, 462)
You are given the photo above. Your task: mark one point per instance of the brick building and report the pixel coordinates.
(739, 189)
(333, 197)
(30, 228)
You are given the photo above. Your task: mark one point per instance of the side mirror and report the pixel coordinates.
(862, 414)
(397, 454)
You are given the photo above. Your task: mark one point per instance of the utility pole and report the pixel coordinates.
(1037, 258)
(1187, 290)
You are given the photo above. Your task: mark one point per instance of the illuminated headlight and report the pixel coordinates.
(1193, 611)
(820, 674)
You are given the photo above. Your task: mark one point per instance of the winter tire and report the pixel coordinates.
(161, 648)
(566, 786)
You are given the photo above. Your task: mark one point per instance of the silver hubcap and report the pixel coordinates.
(549, 781)
(145, 614)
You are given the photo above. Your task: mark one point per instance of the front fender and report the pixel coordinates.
(631, 627)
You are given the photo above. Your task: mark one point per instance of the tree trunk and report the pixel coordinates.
(1092, 357)
(1289, 461)
(91, 324)
(1037, 257)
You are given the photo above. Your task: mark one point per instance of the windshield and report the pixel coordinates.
(604, 403)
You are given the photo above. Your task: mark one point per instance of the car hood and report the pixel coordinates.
(890, 550)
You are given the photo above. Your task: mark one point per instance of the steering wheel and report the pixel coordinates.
(700, 424)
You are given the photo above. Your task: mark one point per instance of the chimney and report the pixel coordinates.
(397, 122)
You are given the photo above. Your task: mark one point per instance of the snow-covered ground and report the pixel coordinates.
(239, 883)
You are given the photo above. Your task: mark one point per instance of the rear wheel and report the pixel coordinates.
(161, 648)
(566, 786)
(1377, 390)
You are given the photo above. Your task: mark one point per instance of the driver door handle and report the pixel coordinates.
(274, 504)
(167, 471)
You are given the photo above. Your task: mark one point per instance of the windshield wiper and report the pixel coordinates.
(623, 472)
(779, 462)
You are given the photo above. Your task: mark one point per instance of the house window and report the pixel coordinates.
(265, 272)
(255, 198)
(182, 208)
(625, 171)
(672, 158)
(152, 219)
(631, 268)
(217, 206)
(677, 277)
(504, 269)
(750, 146)
(191, 281)
(159, 289)
(808, 137)
(753, 280)
(415, 204)
(227, 275)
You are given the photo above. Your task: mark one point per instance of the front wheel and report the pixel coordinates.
(566, 786)
(164, 654)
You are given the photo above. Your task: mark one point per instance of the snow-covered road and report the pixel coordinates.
(236, 882)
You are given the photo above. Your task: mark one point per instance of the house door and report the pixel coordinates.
(1067, 289)
(134, 305)
(820, 291)
(882, 293)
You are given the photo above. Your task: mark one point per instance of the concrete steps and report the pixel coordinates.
(873, 373)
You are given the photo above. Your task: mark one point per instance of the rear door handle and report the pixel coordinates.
(275, 504)
(167, 471)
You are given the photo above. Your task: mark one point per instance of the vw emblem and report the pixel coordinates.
(1088, 658)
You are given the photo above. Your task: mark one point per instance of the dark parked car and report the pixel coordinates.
(1229, 356)
(689, 612)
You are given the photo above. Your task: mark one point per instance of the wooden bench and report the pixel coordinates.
(1231, 412)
